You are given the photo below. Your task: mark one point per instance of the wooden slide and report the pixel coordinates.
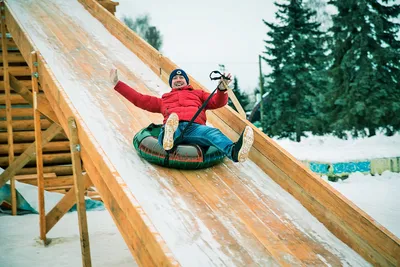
(268, 211)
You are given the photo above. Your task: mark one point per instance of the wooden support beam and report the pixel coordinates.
(48, 159)
(17, 70)
(65, 204)
(235, 101)
(137, 236)
(18, 112)
(11, 44)
(79, 191)
(39, 152)
(371, 241)
(50, 182)
(61, 146)
(26, 83)
(15, 99)
(109, 5)
(237, 104)
(60, 170)
(23, 125)
(28, 154)
(22, 178)
(43, 103)
(29, 136)
(6, 79)
(14, 57)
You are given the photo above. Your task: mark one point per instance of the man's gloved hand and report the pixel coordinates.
(221, 86)
(114, 76)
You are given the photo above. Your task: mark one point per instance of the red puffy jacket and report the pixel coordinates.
(184, 101)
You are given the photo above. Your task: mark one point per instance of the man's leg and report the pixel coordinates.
(166, 137)
(241, 149)
(208, 136)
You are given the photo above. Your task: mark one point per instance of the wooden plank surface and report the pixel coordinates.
(248, 231)
(372, 240)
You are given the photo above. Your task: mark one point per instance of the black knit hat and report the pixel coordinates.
(178, 72)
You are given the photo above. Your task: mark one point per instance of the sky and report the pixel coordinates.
(200, 35)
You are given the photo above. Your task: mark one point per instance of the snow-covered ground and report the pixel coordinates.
(376, 195)
(331, 149)
(20, 246)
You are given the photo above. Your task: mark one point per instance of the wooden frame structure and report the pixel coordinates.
(350, 224)
(41, 108)
(6, 78)
(341, 217)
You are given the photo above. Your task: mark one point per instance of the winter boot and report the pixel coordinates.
(241, 149)
(170, 127)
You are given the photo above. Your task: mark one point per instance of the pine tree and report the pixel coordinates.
(365, 92)
(322, 14)
(153, 37)
(241, 96)
(294, 52)
(141, 25)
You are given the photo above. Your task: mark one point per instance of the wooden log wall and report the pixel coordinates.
(56, 155)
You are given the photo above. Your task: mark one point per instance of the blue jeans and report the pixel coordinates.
(202, 135)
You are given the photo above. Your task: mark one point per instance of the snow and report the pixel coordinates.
(30, 194)
(331, 149)
(376, 195)
(20, 245)
(147, 189)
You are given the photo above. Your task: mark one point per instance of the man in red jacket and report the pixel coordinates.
(179, 106)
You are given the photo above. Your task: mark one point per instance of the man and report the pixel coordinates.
(179, 106)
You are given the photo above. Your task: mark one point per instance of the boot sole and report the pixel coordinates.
(170, 127)
(248, 139)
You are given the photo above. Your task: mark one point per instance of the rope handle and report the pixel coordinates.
(217, 77)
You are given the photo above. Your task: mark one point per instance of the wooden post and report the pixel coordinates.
(261, 90)
(65, 204)
(39, 152)
(79, 192)
(235, 101)
(6, 78)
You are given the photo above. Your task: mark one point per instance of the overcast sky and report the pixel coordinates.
(199, 35)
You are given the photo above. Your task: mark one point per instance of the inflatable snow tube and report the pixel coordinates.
(186, 157)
